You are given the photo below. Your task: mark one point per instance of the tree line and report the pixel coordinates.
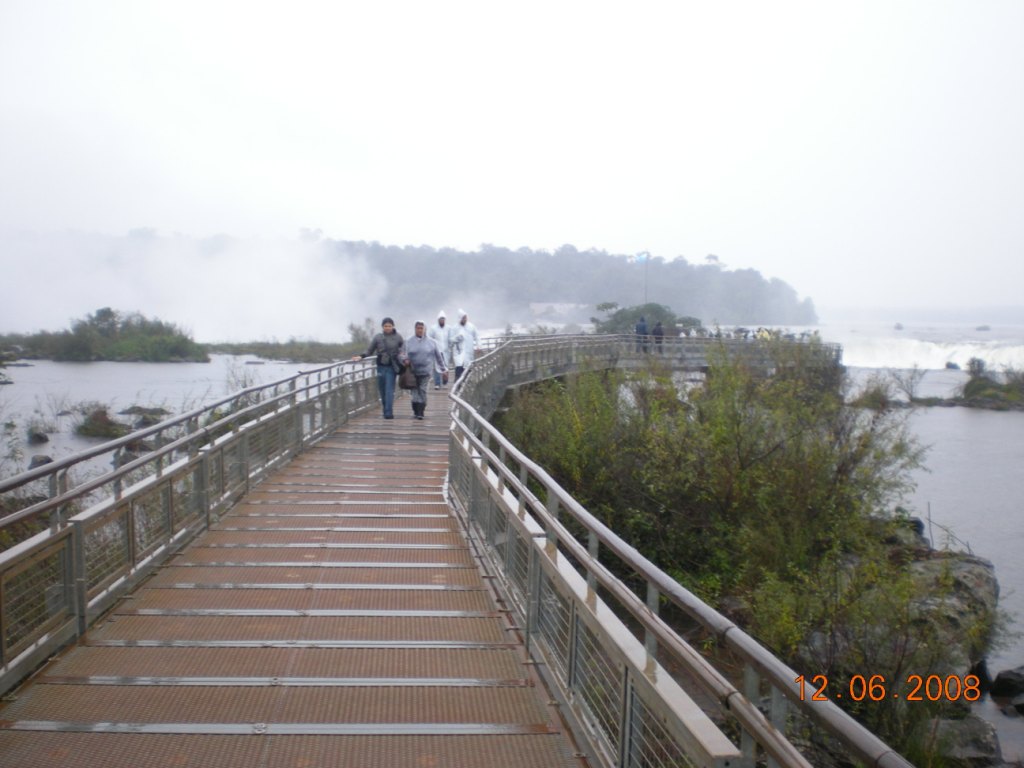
(424, 277)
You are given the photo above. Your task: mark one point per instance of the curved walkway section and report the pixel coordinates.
(336, 616)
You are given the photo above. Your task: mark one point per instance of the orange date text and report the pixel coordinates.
(879, 688)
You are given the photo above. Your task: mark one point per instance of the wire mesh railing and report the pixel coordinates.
(91, 541)
(607, 649)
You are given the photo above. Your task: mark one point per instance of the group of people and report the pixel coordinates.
(643, 337)
(431, 356)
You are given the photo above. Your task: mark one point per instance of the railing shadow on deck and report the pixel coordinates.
(107, 533)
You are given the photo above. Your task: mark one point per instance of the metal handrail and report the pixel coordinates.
(491, 451)
(87, 560)
(52, 468)
(55, 583)
(200, 435)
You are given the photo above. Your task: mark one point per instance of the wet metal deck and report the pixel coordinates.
(335, 617)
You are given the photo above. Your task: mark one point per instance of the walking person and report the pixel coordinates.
(658, 332)
(425, 358)
(389, 348)
(465, 341)
(441, 335)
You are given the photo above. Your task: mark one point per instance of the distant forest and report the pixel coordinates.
(422, 276)
(341, 282)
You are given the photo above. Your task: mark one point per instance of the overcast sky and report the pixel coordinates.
(869, 154)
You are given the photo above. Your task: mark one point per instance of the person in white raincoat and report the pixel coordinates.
(441, 334)
(464, 342)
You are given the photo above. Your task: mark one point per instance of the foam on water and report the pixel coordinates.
(934, 346)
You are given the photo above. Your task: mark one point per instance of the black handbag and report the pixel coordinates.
(407, 379)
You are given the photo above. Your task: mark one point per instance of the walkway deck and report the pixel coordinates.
(335, 617)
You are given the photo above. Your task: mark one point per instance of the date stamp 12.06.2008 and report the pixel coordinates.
(879, 688)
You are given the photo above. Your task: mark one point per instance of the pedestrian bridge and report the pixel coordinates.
(283, 578)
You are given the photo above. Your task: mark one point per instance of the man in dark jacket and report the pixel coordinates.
(641, 335)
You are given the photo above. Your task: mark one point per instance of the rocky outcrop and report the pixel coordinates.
(37, 437)
(964, 588)
(1009, 683)
(1017, 704)
(969, 600)
(147, 417)
(960, 608)
(973, 743)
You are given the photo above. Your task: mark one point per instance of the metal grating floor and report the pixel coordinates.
(335, 617)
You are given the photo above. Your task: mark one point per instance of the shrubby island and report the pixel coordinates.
(107, 334)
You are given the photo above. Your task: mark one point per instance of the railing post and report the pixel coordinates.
(300, 432)
(653, 603)
(202, 489)
(625, 721)
(752, 692)
(58, 486)
(129, 529)
(778, 712)
(243, 457)
(78, 576)
(501, 475)
(593, 549)
(533, 583)
(571, 675)
(3, 621)
(474, 495)
(191, 427)
(167, 502)
(116, 461)
(551, 504)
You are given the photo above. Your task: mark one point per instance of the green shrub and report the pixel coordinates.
(97, 423)
(110, 335)
(766, 494)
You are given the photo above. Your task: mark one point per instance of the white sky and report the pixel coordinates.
(868, 153)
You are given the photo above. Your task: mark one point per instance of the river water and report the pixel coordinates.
(972, 484)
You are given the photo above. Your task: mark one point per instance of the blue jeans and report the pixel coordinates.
(386, 386)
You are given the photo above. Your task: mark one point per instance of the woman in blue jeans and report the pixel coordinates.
(389, 348)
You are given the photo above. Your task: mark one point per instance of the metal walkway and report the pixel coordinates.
(277, 579)
(336, 616)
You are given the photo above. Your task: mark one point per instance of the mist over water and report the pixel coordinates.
(217, 289)
(930, 346)
(228, 289)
